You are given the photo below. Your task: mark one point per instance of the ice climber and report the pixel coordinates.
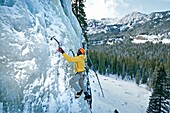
(77, 81)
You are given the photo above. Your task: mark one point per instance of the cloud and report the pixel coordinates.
(97, 9)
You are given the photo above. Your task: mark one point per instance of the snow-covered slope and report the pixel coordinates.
(125, 96)
(135, 21)
(133, 18)
(31, 78)
(103, 25)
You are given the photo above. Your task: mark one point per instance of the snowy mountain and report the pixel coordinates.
(133, 18)
(103, 25)
(134, 23)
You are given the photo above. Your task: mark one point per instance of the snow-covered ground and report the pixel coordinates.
(150, 38)
(165, 41)
(125, 96)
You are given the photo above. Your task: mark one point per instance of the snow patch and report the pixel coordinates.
(166, 41)
(150, 38)
(25, 51)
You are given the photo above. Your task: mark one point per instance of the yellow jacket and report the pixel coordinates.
(78, 60)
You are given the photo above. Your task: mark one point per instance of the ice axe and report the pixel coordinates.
(59, 44)
(72, 52)
(53, 37)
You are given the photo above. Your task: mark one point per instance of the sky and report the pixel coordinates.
(97, 9)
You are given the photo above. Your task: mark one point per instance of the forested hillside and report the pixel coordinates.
(113, 52)
(133, 61)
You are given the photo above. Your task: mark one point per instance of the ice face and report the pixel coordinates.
(30, 69)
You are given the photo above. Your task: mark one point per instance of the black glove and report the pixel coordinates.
(60, 50)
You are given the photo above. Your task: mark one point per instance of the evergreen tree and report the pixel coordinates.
(138, 77)
(161, 94)
(93, 55)
(144, 75)
(114, 64)
(102, 67)
(154, 75)
(123, 70)
(78, 10)
(111, 65)
(168, 66)
(150, 80)
(118, 68)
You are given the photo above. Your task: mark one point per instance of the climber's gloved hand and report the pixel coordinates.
(60, 50)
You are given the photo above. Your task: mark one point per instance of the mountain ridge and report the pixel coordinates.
(134, 23)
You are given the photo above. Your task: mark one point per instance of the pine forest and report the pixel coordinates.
(137, 62)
